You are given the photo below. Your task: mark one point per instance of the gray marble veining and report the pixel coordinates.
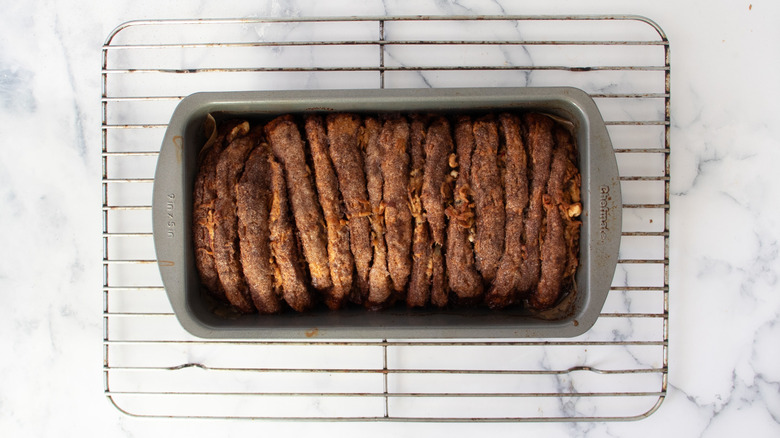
(724, 378)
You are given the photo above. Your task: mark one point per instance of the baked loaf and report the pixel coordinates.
(376, 210)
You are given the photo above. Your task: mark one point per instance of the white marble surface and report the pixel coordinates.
(724, 376)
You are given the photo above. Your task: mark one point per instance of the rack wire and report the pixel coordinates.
(615, 371)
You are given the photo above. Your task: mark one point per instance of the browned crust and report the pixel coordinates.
(539, 142)
(343, 130)
(517, 194)
(569, 202)
(553, 241)
(422, 267)
(436, 189)
(290, 270)
(553, 253)
(253, 202)
(380, 284)
(463, 278)
(227, 251)
(488, 198)
(287, 145)
(501, 293)
(339, 256)
(204, 196)
(439, 289)
(393, 140)
(436, 196)
(419, 290)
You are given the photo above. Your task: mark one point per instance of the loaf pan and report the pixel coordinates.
(599, 239)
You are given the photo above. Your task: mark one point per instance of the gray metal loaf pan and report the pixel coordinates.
(599, 240)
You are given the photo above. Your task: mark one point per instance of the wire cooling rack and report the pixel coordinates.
(615, 371)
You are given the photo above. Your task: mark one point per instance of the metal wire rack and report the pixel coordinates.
(616, 371)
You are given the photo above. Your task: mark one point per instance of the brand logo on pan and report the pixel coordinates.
(170, 206)
(603, 211)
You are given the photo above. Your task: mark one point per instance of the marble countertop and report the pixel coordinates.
(724, 373)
